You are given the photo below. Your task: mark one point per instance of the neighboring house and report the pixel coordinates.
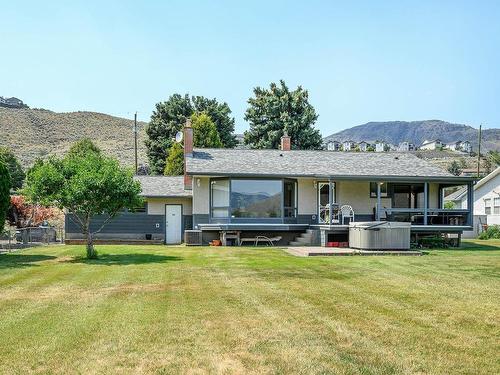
(434, 144)
(333, 146)
(463, 146)
(283, 193)
(363, 146)
(487, 197)
(453, 146)
(457, 198)
(486, 203)
(381, 146)
(11, 102)
(406, 146)
(348, 146)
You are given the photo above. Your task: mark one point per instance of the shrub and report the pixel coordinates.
(492, 232)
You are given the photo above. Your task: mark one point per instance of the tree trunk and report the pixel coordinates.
(91, 253)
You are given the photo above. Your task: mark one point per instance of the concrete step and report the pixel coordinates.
(295, 243)
(302, 240)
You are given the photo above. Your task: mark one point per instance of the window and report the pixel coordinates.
(487, 206)
(496, 206)
(290, 198)
(220, 198)
(256, 198)
(383, 190)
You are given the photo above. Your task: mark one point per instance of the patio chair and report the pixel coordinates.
(346, 211)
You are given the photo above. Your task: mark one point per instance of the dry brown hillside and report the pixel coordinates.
(33, 133)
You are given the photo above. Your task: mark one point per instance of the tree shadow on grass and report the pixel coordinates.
(477, 247)
(125, 259)
(22, 260)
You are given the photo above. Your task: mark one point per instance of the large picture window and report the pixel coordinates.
(253, 199)
(256, 198)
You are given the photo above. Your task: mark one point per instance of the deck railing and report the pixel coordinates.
(435, 216)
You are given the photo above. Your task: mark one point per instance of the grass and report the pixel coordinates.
(157, 309)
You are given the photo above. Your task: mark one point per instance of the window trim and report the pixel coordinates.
(488, 206)
(373, 194)
(496, 206)
(229, 219)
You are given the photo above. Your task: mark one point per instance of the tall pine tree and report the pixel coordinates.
(277, 110)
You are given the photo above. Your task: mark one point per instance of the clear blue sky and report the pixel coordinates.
(361, 61)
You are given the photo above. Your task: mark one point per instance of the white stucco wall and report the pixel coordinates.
(156, 206)
(357, 195)
(201, 196)
(491, 190)
(307, 197)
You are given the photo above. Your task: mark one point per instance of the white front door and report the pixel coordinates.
(173, 223)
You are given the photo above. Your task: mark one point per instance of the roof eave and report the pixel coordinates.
(452, 179)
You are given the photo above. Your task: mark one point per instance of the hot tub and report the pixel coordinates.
(379, 235)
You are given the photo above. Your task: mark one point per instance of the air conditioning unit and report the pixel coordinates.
(192, 237)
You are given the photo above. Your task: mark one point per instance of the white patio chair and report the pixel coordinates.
(346, 211)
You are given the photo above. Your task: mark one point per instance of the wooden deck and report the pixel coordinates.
(310, 251)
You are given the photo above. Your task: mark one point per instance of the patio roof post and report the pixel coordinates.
(330, 201)
(426, 201)
(470, 203)
(379, 204)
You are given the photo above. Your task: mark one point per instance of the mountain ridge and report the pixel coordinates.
(34, 133)
(417, 131)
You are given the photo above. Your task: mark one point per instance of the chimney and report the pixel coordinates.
(188, 152)
(285, 142)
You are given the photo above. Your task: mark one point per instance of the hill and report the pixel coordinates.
(33, 133)
(417, 131)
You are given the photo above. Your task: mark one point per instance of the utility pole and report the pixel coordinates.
(135, 140)
(479, 151)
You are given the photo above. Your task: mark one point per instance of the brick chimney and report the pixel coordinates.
(285, 142)
(188, 153)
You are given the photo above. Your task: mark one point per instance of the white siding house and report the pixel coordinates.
(406, 146)
(434, 144)
(487, 197)
(348, 145)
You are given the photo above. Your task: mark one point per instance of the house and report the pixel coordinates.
(284, 193)
(333, 145)
(487, 198)
(363, 146)
(463, 146)
(406, 146)
(486, 203)
(11, 102)
(348, 145)
(434, 144)
(381, 146)
(453, 146)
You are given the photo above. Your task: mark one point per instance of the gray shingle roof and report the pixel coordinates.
(163, 186)
(310, 163)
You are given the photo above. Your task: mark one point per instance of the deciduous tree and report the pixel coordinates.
(204, 131)
(277, 110)
(87, 184)
(175, 161)
(204, 135)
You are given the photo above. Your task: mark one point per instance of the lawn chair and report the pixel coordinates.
(346, 211)
(257, 239)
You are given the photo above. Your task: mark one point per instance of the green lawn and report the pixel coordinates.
(157, 309)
